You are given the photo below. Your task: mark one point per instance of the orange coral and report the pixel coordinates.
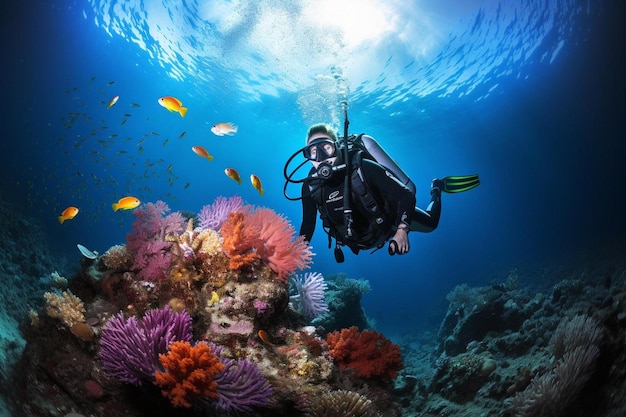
(369, 353)
(261, 233)
(189, 373)
(238, 246)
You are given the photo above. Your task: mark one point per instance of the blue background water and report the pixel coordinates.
(530, 95)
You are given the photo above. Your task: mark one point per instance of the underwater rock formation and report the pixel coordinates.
(508, 350)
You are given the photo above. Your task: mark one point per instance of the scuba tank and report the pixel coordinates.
(379, 155)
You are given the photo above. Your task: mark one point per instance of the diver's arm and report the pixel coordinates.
(309, 214)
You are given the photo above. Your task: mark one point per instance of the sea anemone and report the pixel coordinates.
(308, 299)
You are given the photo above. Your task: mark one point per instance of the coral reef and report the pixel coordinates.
(210, 332)
(216, 334)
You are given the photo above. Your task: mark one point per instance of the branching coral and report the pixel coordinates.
(340, 403)
(129, 348)
(189, 373)
(66, 307)
(262, 233)
(148, 243)
(308, 299)
(369, 353)
(237, 245)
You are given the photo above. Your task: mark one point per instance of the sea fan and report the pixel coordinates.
(213, 215)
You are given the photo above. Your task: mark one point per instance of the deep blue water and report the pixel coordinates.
(530, 95)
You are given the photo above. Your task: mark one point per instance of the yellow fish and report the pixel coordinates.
(112, 102)
(256, 183)
(68, 214)
(214, 298)
(224, 128)
(126, 203)
(173, 105)
(199, 150)
(233, 174)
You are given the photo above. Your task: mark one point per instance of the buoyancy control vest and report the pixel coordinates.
(375, 229)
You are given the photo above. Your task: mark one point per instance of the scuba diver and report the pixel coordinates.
(380, 202)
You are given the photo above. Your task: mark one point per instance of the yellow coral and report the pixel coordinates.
(66, 307)
(307, 368)
(208, 242)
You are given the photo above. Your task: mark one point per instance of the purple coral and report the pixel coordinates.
(308, 299)
(213, 215)
(130, 348)
(147, 244)
(241, 386)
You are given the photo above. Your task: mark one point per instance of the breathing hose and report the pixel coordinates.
(347, 207)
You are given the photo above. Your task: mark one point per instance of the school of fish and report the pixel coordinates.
(130, 202)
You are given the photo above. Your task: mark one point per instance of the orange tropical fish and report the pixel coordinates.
(233, 174)
(126, 203)
(224, 128)
(68, 214)
(199, 150)
(112, 102)
(173, 105)
(256, 183)
(265, 338)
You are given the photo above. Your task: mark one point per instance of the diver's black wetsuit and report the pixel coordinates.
(398, 206)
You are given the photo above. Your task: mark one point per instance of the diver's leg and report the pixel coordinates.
(428, 220)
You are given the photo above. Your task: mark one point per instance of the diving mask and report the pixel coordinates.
(320, 149)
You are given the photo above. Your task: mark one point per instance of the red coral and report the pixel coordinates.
(369, 353)
(269, 236)
(189, 373)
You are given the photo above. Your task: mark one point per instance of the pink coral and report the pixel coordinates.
(148, 245)
(271, 237)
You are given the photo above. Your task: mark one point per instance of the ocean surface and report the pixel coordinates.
(528, 94)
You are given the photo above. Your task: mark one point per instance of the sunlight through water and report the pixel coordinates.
(394, 49)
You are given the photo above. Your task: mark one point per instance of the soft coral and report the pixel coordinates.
(148, 245)
(369, 353)
(268, 235)
(189, 373)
